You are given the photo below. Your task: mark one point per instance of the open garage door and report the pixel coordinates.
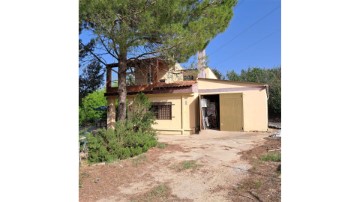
(231, 112)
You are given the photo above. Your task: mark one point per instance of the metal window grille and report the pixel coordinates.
(188, 78)
(162, 110)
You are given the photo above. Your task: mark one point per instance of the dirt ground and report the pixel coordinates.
(263, 179)
(208, 167)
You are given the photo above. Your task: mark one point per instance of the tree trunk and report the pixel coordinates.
(122, 85)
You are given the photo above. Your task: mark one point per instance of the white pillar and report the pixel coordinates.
(111, 112)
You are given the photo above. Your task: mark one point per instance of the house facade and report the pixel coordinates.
(184, 104)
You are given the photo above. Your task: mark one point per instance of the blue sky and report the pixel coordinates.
(252, 39)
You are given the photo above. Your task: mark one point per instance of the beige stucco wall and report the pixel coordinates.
(184, 108)
(255, 107)
(255, 110)
(210, 74)
(218, 84)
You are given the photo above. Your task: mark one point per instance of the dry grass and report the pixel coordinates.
(159, 193)
(263, 182)
(141, 159)
(185, 165)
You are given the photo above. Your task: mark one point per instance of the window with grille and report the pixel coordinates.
(162, 110)
(188, 78)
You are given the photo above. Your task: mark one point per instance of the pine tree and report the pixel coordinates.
(172, 30)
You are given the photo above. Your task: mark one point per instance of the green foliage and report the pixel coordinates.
(272, 77)
(139, 113)
(88, 112)
(218, 74)
(91, 78)
(173, 31)
(158, 26)
(121, 143)
(273, 156)
(130, 138)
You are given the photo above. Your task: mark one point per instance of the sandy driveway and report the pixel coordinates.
(216, 169)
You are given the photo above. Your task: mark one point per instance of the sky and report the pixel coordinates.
(252, 39)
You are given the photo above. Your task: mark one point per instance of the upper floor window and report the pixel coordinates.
(188, 78)
(149, 78)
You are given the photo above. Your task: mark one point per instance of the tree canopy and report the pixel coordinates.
(218, 74)
(91, 79)
(89, 112)
(92, 73)
(131, 30)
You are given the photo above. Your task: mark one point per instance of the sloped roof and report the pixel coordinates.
(237, 82)
(159, 85)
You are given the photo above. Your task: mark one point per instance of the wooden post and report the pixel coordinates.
(108, 78)
(156, 71)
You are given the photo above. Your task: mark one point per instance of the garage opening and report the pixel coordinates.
(210, 112)
(222, 112)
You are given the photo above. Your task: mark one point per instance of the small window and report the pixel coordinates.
(149, 78)
(162, 110)
(188, 78)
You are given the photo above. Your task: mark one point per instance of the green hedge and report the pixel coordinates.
(129, 138)
(109, 145)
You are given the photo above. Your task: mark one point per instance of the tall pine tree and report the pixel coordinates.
(170, 29)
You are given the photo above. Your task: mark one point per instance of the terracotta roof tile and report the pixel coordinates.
(159, 85)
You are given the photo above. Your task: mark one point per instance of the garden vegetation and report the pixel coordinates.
(130, 137)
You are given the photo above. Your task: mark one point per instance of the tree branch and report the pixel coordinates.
(93, 54)
(139, 56)
(107, 50)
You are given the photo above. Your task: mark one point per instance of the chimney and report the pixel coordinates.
(201, 64)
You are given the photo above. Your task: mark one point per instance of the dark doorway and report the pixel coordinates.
(210, 111)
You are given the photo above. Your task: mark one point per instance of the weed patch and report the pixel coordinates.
(249, 184)
(158, 193)
(81, 178)
(185, 165)
(161, 145)
(275, 157)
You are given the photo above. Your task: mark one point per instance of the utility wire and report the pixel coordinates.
(248, 47)
(246, 29)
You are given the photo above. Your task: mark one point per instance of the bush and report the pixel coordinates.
(129, 138)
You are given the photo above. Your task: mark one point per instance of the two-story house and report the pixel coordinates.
(186, 101)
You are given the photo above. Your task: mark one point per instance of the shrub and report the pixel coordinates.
(129, 138)
(139, 114)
